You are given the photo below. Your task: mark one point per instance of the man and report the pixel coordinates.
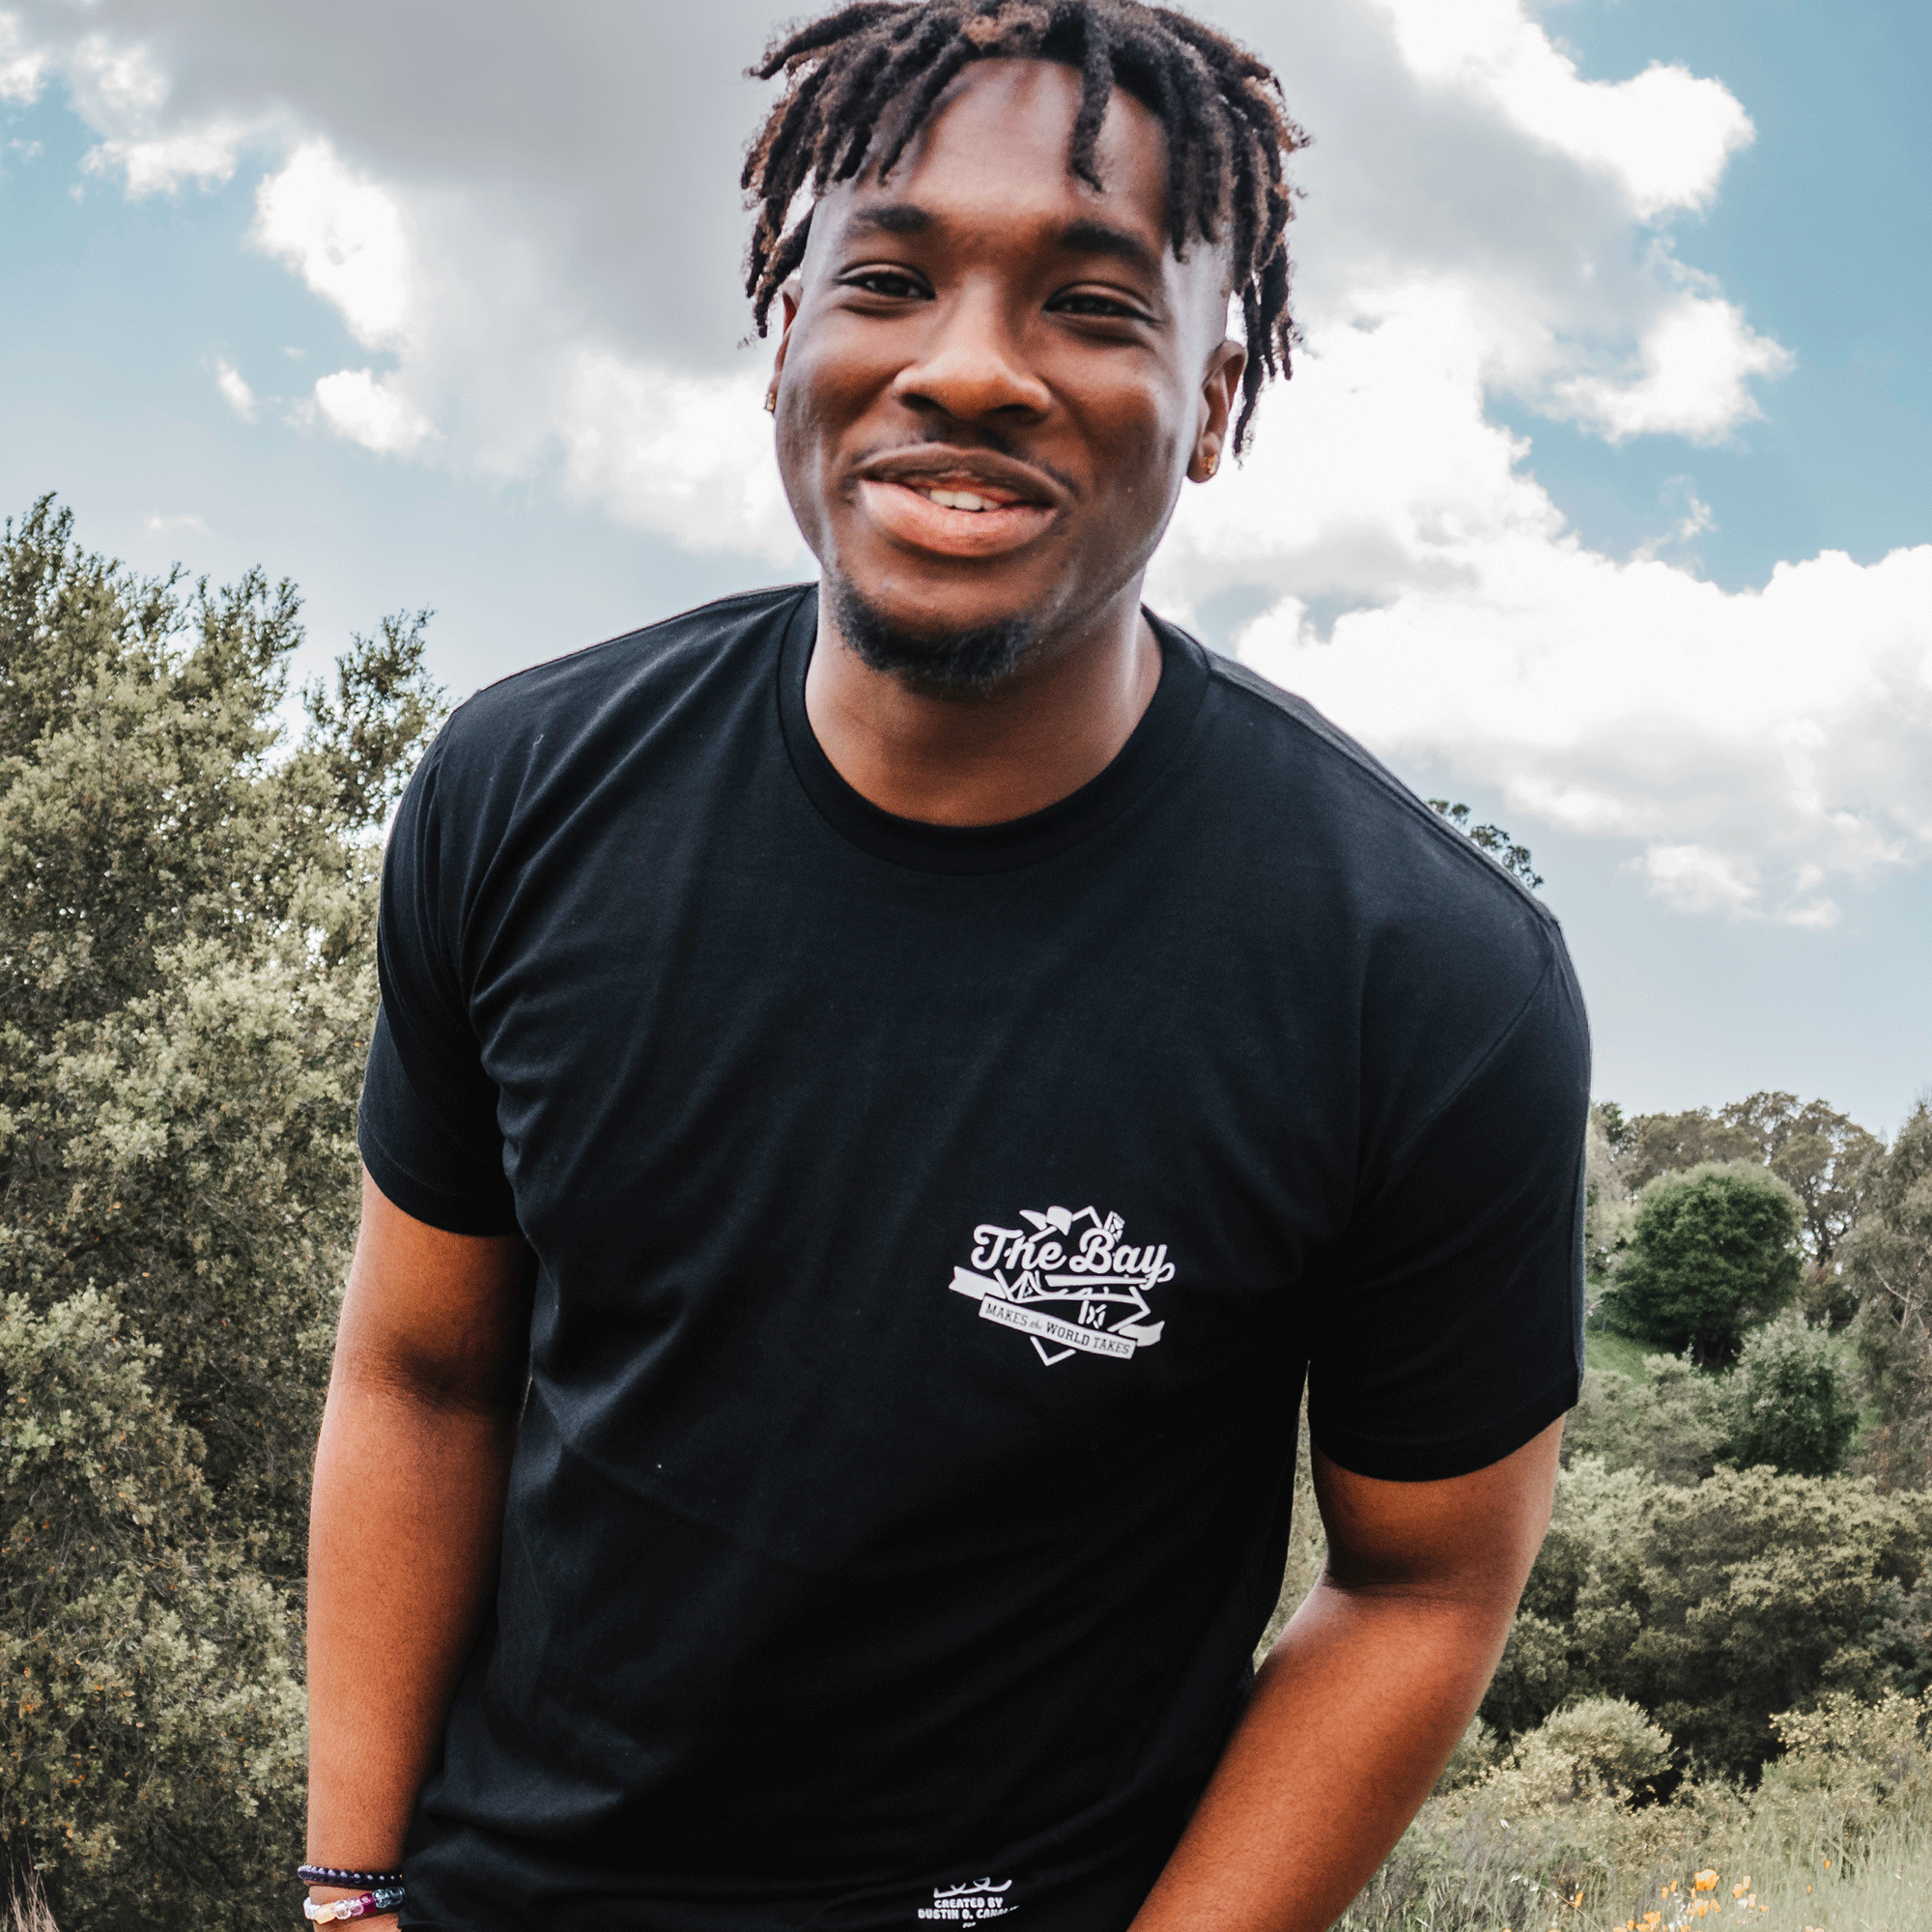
(883, 1090)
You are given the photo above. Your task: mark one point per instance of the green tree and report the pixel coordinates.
(186, 990)
(1820, 1153)
(1513, 858)
(1711, 1252)
(1791, 1402)
(1889, 1264)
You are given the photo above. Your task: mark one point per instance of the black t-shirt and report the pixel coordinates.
(934, 1228)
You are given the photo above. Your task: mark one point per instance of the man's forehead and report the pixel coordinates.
(1002, 136)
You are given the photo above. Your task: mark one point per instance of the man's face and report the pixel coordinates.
(993, 379)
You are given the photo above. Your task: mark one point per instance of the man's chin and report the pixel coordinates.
(961, 660)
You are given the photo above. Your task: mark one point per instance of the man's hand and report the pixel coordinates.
(430, 1364)
(1361, 1701)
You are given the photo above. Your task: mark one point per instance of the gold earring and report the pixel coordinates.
(1208, 464)
(772, 400)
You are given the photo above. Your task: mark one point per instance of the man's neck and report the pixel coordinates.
(985, 757)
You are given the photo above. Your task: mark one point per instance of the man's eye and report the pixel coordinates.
(885, 282)
(1108, 307)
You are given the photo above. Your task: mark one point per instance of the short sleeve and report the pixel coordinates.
(428, 1126)
(1451, 1330)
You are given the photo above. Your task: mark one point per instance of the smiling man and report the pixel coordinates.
(884, 1090)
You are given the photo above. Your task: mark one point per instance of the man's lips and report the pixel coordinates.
(908, 513)
(957, 502)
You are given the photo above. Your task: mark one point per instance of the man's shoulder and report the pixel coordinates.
(649, 666)
(1337, 797)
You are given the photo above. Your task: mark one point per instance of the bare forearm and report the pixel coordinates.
(1351, 1722)
(402, 1543)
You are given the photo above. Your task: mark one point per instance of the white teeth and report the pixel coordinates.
(958, 500)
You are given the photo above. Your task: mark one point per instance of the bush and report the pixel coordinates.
(1791, 1402)
(1715, 1605)
(1674, 1424)
(186, 920)
(1713, 1251)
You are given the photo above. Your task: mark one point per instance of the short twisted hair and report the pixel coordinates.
(1229, 135)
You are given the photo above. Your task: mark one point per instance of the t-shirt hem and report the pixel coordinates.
(452, 1213)
(1456, 1455)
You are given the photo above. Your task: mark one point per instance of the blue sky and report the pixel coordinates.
(1704, 323)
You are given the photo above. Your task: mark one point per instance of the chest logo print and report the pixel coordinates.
(1069, 1280)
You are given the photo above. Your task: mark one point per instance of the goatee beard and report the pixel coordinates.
(948, 664)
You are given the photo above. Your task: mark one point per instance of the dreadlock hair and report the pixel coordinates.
(1228, 131)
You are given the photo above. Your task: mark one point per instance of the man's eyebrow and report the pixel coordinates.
(891, 218)
(1085, 237)
(1098, 237)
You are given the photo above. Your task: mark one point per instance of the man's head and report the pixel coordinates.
(1005, 311)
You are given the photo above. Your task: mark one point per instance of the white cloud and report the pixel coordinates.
(344, 236)
(688, 456)
(1696, 879)
(123, 91)
(1786, 730)
(23, 69)
(235, 390)
(372, 412)
(1697, 361)
(1665, 135)
(184, 520)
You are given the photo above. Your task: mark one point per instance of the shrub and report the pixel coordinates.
(1713, 1251)
(1889, 1262)
(1674, 1424)
(1715, 1605)
(1791, 1402)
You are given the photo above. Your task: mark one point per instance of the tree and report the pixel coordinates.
(1513, 858)
(1889, 1264)
(1712, 1251)
(1791, 1402)
(1818, 1153)
(186, 910)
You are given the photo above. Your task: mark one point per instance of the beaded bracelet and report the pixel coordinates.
(360, 1907)
(336, 1875)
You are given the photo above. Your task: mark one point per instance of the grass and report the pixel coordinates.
(1617, 1354)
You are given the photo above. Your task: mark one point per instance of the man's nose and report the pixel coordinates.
(974, 368)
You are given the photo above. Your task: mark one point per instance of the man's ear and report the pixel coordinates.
(1220, 386)
(788, 299)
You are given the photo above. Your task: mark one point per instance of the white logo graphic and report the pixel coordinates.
(1098, 1283)
(969, 1904)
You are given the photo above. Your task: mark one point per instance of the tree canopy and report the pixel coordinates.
(1711, 1252)
(186, 906)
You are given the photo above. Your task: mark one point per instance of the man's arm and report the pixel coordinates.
(1359, 1704)
(430, 1363)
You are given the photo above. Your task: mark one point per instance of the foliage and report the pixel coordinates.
(1609, 1211)
(1840, 1834)
(1820, 1153)
(1889, 1263)
(1791, 1402)
(185, 915)
(1714, 1605)
(1513, 858)
(1712, 1251)
(1674, 1424)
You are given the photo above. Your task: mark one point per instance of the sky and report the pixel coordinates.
(1601, 498)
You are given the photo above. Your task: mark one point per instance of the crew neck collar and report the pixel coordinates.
(1135, 768)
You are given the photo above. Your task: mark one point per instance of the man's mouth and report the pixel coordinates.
(947, 519)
